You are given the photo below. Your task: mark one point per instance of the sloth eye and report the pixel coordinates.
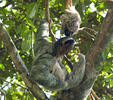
(71, 42)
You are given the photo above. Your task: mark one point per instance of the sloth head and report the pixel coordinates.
(70, 22)
(63, 46)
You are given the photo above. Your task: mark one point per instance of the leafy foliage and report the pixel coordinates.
(21, 19)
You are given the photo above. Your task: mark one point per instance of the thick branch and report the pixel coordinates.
(94, 57)
(102, 42)
(20, 66)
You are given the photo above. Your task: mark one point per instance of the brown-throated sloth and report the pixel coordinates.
(70, 21)
(47, 69)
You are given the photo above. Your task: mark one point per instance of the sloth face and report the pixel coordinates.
(67, 46)
(63, 46)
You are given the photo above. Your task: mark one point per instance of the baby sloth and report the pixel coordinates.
(70, 21)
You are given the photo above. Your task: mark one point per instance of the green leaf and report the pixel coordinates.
(27, 41)
(21, 28)
(102, 5)
(94, 1)
(2, 66)
(111, 83)
(33, 11)
(105, 54)
(82, 1)
(88, 11)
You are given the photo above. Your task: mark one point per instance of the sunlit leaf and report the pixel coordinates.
(94, 1)
(2, 66)
(111, 82)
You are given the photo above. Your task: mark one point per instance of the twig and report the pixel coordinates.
(68, 62)
(47, 14)
(82, 30)
(93, 92)
(109, 0)
(14, 84)
(47, 11)
(3, 92)
(89, 97)
(93, 98)
(9, 3)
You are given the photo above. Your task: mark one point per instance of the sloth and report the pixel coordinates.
(47, 68)
(70, 21)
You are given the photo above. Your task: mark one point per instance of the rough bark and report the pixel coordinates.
(20, 66)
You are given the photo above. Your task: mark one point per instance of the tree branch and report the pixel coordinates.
(93, 92)
(3, 93)
(95, 57)
(20, 66)
(14, 84)
(85, 32)
(47, 14)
